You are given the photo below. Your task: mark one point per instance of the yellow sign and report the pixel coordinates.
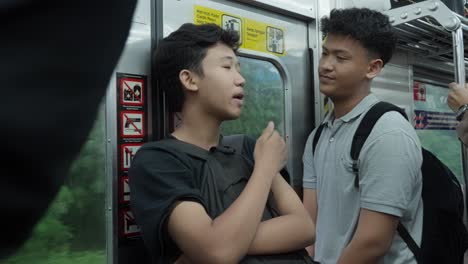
(254, 35)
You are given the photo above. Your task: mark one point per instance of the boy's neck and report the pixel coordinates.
(343, 106)
(198, 129)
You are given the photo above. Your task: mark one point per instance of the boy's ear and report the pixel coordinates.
(189, 80)
(374, 68)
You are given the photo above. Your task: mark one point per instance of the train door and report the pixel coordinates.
(275, 61)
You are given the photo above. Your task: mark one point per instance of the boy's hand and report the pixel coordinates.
(270, 149)
(457, 96)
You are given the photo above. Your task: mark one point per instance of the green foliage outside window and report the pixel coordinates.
(73, 229)
(446, 146)
(264, 100)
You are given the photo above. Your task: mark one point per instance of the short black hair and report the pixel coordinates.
(371, 28)
(185, 48)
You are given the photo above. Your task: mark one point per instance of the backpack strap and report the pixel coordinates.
(364, 129)
(234, 141)
(317, 137)
(404, 234)
(362, 133)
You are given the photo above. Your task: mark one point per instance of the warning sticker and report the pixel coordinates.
(130, 228)
(233, 24)
(131, 91)
(254, 35)
(132, 124)
(275, 40)
(125, 197)
(128, 152)
(434, 120)
(419, 92)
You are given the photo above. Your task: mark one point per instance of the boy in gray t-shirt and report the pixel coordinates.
(358, 225)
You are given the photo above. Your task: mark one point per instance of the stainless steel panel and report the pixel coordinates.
(134, 60)
(304, 9)
(315, 43)
(394, 85)
(111, 172)
(380, 5)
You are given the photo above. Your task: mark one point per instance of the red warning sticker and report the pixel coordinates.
(132, 124)
(130, 227)
(125, 189)
(128, 151)
(419, 91)
(131, 91)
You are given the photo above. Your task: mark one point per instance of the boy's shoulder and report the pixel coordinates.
(158, 148)
(163, 154)
(393, 122)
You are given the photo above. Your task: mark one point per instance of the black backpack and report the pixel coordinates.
(444, 237)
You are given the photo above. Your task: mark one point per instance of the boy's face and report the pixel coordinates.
(343, 66)
(220, 89)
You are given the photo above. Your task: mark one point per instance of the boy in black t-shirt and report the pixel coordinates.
(212, 205)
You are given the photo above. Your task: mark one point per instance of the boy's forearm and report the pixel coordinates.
(291, 231)
(372, 239)
(282, 234)
(237, 226)
(286, 200)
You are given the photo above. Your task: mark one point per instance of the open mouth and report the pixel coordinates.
(239, 96)
(238, 99)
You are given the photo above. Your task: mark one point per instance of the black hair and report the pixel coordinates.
(185, 48)
(371, 28)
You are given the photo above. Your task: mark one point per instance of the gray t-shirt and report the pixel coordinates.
(390, 181)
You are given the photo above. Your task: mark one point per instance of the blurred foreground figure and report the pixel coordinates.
(56, 60)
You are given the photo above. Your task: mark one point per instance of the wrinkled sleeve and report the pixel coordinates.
(158, 178)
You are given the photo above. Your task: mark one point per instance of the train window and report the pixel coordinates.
(435, 125)
(73, 230)
(264, 99)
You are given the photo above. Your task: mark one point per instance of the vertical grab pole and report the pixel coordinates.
(459, 56)
(459, 63)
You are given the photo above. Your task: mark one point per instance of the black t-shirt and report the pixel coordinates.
(160, 176)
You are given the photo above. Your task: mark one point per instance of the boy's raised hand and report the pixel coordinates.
(270, 149)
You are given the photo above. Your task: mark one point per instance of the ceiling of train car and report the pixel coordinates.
(426, 38)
